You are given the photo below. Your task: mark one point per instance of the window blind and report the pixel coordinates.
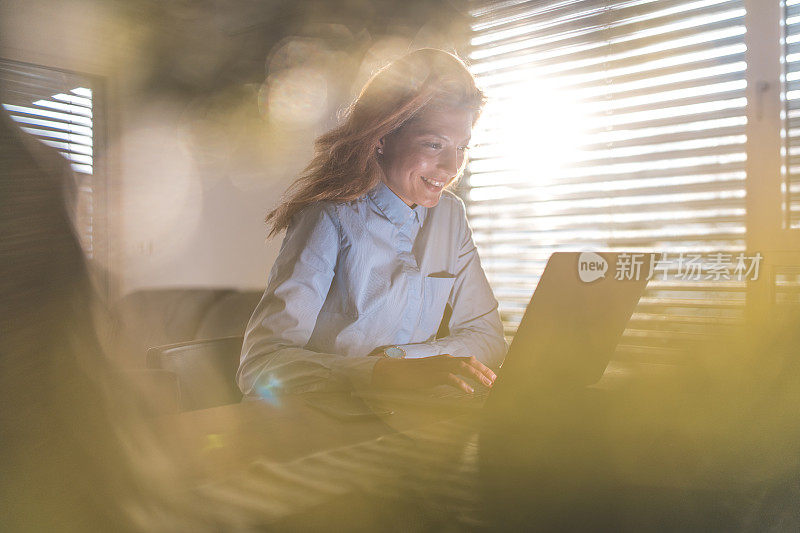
(614, 126)
(787, 286)
(791, 131)
(57, 107)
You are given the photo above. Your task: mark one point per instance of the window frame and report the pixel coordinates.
(766, 230)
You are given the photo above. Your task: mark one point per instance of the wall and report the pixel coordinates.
(212, 111)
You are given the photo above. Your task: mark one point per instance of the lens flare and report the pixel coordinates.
(269, 392)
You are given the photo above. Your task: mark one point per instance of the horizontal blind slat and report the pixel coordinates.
(56, 107)
(657, 162)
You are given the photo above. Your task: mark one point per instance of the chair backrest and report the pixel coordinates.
(206, 370)
(158, 389)
(157, 317)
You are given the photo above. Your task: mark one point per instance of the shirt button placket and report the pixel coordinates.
(411, 270)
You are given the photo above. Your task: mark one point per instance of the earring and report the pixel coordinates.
(380, 151)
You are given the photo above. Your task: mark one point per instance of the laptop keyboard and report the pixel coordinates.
(480, 394)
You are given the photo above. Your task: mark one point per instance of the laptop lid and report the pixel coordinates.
(574, 320)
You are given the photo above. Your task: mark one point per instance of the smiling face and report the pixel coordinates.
(426, 154)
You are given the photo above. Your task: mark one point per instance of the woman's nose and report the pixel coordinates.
(449, 162)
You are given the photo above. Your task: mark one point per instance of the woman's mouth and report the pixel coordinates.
(433, 183)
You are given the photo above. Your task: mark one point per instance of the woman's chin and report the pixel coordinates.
(430, 201)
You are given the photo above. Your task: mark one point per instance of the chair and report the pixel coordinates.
(157, 389)
(206, 370)
(157, 317)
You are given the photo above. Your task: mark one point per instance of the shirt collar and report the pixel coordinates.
(394, 208)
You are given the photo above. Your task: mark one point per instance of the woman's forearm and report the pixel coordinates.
(270, 370)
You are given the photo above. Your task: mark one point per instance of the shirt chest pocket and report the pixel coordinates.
(436, 292)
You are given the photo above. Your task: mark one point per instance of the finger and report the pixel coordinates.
(459, 383)
(485, 370)
(471, 367)
(467, 366)
(466, 369)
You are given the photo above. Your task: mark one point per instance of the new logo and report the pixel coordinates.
(591, 267)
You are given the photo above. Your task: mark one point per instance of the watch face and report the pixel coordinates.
(394, 351)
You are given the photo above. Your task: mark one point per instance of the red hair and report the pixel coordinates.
(345, 165)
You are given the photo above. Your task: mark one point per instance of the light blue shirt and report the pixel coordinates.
(355, 276)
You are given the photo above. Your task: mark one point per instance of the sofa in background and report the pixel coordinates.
(156, 317)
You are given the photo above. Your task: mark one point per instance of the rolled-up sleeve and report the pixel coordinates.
(475, 325)
(274, 357)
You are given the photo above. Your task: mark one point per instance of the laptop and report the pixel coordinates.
(567, 336)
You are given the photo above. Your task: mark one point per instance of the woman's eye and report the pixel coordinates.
(463, 148)
(434, 145)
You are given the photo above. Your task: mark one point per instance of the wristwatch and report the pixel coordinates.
(394, 352)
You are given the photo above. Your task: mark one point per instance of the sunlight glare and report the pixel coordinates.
(538, 130)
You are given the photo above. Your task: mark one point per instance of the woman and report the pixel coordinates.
(376, 247)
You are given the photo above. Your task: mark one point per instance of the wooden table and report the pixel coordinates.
(655, 444)
(290, 466)
(227, 438)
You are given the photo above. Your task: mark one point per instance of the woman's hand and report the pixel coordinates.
(444, 369)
